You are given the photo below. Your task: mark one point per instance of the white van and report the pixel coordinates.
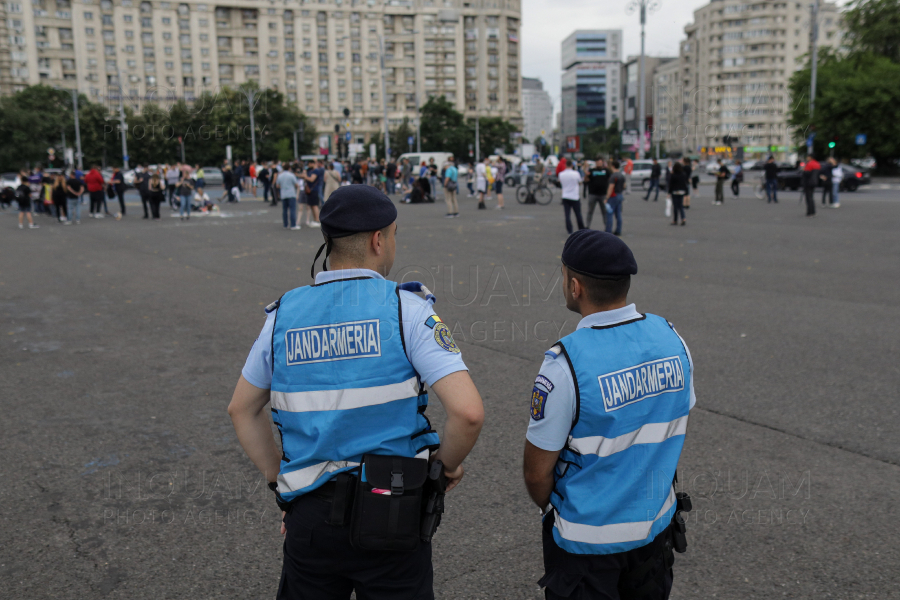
(440, 159)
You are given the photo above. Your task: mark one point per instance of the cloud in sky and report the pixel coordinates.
(545, 23)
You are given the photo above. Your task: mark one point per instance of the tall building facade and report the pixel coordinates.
(729, 94)
(591, 62)
(324, 54)
(537, 110)
(631, 88)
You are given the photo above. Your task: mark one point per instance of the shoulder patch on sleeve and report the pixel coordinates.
(543, 381)
(554, 351)
(538, 403)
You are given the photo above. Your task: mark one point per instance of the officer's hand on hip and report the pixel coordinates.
(454, 477)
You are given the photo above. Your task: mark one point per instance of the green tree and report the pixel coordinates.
(495, 133)
(444, 128)
(855, 94)
(602, 141)
(874, 26)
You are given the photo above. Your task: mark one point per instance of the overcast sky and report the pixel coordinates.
(545, 23)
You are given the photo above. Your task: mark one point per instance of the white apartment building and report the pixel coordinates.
(537, 110)
(324, 55)
(731, 83)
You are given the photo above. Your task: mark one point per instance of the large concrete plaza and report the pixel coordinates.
(121, 342)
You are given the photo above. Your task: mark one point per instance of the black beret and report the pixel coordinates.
(356, 208)
(598, 254)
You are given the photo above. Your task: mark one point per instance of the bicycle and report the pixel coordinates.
(534, 193)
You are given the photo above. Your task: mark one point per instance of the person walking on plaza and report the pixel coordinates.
(390, 174)
(499, 173)
(23, 199)
(628, 169)
(74, 189)
(252, 172)
(827, 178)
(142, 183)
(58, 194)
(609, 413)
(655, 173)
(737, 178)
(810, 181)
(771, 180)
(95, 187)
(614, 198)
(451, 186)
(263, 176)
(199, 179)
(837, 175)
(482, 174)
(722, 174)
(598, 183)
(117, 181)
(679, 189)
(173, 175)
(688, 171)
(405, 172)
(351, 416)
(310, 200)
(332, 181)
(570, 181)
(157, 192)
(185, 191)
(289, 186)
(692, 172)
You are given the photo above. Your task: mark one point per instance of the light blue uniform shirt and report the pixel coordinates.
(451, 173)
(552, 431)
(430, 360)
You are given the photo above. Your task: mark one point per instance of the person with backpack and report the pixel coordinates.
(721, 176)
(615, 198)
(451, 186)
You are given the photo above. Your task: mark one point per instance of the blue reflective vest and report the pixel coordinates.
(613, 482)
(342, 385)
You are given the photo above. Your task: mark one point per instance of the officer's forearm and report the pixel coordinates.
(538, 468)
(465, 416)
(253, 426)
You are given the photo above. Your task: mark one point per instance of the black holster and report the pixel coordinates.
(433, 507)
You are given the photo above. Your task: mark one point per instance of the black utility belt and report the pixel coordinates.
(392, 503)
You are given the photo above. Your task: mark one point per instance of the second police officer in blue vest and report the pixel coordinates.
(609, 411)
(344, 363)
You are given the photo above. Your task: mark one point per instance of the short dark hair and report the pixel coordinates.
(615, 163)
(604, 292)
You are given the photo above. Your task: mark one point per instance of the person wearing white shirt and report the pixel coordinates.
(481, 180)
(570, 180)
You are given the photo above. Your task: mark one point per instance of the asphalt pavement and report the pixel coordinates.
(121, 342)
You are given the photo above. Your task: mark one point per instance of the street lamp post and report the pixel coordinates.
(78, 158)
(643, 6)
(251, 95)
(814, 58)
(387, 135)
(477, 142)
(418, 125)
(123, 127)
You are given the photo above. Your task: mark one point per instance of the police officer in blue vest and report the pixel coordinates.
(343, 364)
(609, 412)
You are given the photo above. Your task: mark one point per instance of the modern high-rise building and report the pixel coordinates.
(590, 81)
(730, 92)
(537, 110)
(324, 54)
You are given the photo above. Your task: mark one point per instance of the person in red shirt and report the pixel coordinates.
(95, 186)
(561, 166)
(810, 180)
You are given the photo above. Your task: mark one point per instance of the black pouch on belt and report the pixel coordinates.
(387, 508)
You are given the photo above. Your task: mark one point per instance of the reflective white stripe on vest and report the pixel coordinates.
(305, 477)
(649, 433)
(345, 399)
(615, 533)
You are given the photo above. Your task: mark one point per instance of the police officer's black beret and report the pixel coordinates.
(598, 254)
(356, 208)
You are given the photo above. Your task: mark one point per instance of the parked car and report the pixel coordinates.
(853, 178)
(515, 178)
(212, 175)
(9, 180)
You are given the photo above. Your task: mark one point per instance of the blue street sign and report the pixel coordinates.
(409, 140)
(126, 156)
(535, 157)
(860, 139)
(349, 137)
(809, 140)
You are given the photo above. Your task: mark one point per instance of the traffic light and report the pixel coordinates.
(833, 142)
